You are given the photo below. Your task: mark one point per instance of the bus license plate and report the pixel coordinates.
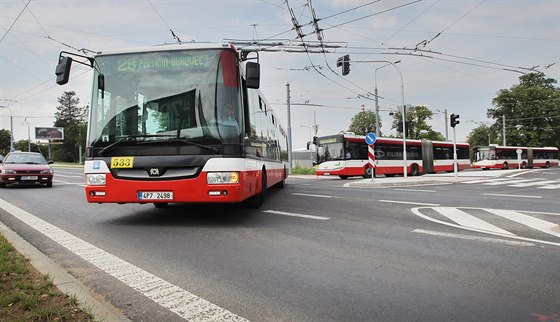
(155, 195)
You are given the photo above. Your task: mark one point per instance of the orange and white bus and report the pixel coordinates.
(506, 157)
(179, 124)
(346, 155)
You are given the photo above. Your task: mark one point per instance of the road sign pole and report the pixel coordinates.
(371, 159)
(370, 140)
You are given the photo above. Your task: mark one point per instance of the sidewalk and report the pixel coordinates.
(427, 179)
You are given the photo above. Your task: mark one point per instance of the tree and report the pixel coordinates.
(363, 123)
(72, 118)
(481, 136)
(532, 112)
(417, 127)
(4, 142)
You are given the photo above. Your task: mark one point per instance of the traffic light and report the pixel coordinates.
(344, 61)
(454, 120)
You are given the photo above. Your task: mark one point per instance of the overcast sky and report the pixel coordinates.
(466, 51)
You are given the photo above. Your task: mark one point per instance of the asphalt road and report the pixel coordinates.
(321, 249)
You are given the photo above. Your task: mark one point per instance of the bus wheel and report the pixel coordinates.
(160, 205)
(547, 165)
(506, 166)
(367, 172)
(257, 200)
(343, 177)
(523, 165)
(414, 170)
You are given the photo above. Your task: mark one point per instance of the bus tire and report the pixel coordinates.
(414, 170)
(547, 165)
(343, 177)
(367, 172)
(160, 205)
(505, 166)
(523, 165)
(257, 200)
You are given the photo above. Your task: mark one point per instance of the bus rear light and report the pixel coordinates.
(222, 177)
(95, 179)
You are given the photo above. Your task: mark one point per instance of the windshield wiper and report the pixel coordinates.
(127, 138)
(189, 142)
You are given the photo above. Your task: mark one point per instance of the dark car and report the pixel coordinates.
(25, 167)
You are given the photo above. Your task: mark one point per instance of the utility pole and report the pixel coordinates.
(376, 113)
(504, 129)
(289, 129)
(446, 127)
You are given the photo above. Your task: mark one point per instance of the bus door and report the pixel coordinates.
(428, 156)
(529, 157)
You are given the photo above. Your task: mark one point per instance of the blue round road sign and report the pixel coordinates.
(370, 138)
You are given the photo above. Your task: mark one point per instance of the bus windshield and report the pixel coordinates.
(486, 153)
(330, 149)
(191, 95)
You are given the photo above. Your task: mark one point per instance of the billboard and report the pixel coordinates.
(49, 133)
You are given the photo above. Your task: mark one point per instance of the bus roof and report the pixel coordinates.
(164, 47)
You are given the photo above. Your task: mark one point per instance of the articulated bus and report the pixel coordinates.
(179, 124)
(346, 155)
(505, 157)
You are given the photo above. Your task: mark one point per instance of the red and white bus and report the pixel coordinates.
(346, 155)
(179, 124)
(505, 157)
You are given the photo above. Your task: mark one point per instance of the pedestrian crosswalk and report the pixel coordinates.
(518, 183)
(523, 225)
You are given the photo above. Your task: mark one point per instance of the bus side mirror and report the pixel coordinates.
(253, 74)
(62, 71)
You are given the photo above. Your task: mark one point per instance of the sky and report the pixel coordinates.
(454, 55)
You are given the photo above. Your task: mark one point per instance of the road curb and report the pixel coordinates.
(66, 283)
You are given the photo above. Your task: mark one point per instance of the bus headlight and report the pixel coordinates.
(222, 177)
(95, 179)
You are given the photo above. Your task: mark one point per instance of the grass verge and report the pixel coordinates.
(27, 295)
(310, 171)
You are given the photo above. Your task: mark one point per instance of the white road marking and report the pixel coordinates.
(507, 182)
(529, 221)
(535, 183)
(485, 180)
(67, 176)
(512, 196)
(66, 182)
(179, 301)
(311, 195)
(418, 213)
(291, 214)
(476, 238)
(416, 190)
(466, 220)
(550, 186)
(410, 203)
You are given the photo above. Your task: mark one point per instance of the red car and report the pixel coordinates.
(25, 167)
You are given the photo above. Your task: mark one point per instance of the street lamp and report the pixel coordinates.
(11, 128)
(402, 101)
(377, 125)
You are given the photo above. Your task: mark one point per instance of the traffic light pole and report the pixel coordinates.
(454, 154)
